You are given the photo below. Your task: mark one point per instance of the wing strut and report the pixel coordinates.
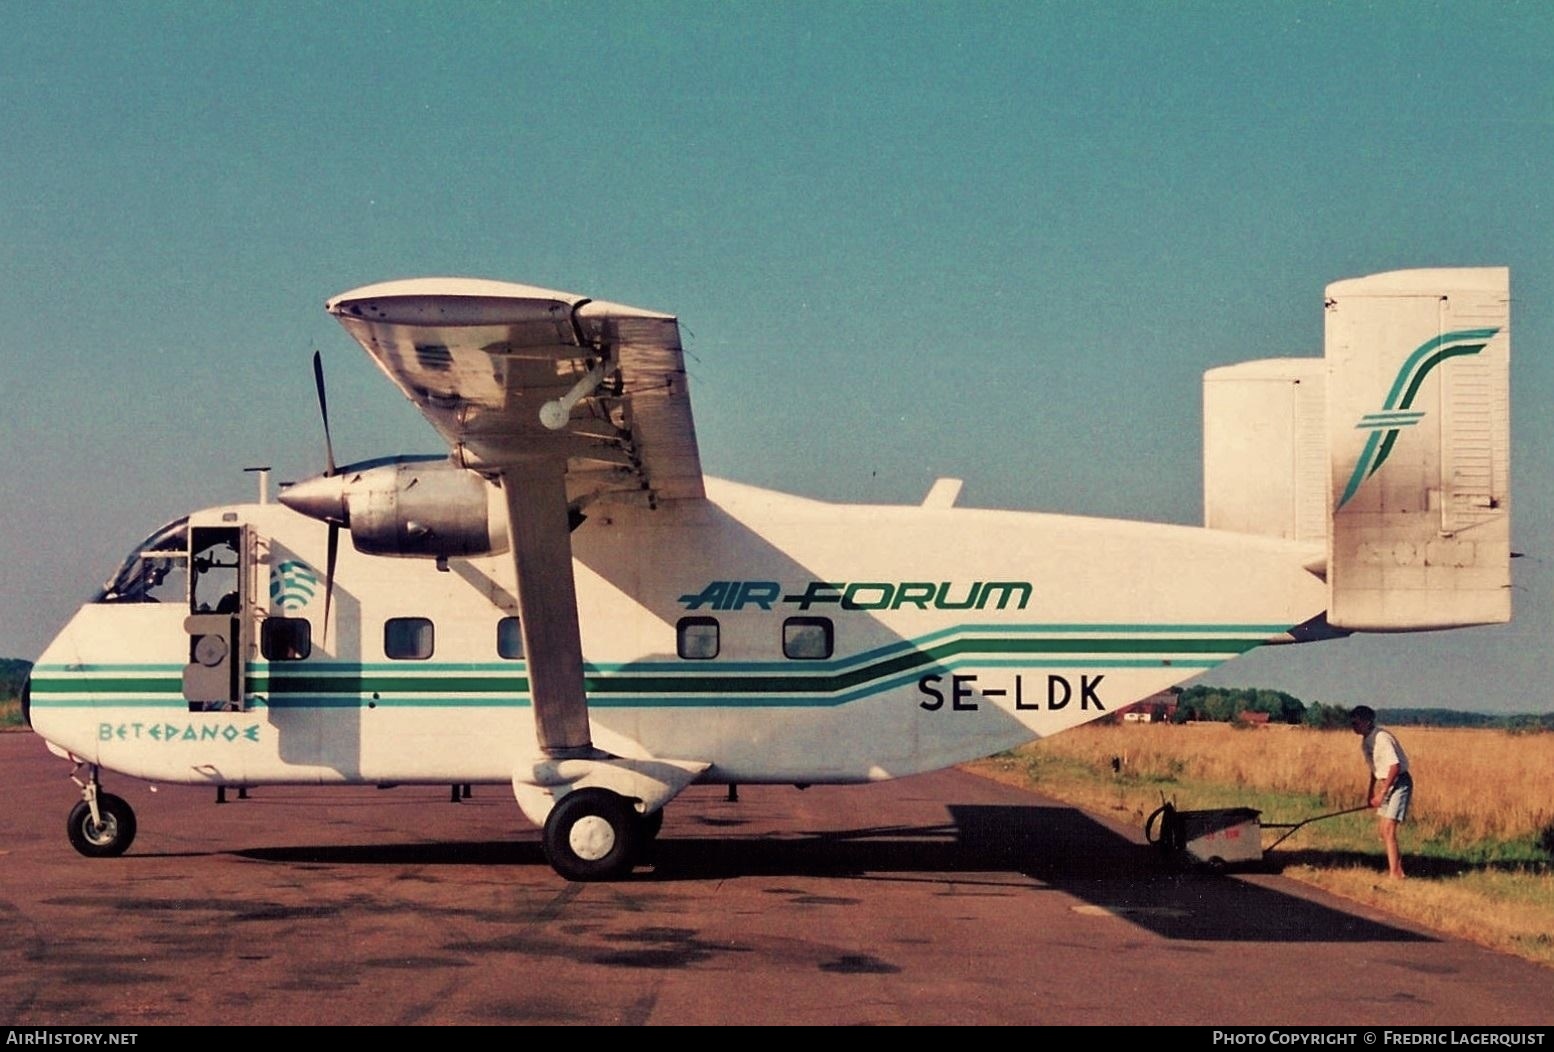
(547, 605)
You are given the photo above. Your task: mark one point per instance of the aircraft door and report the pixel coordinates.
(219, 565)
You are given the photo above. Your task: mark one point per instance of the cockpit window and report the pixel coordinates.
(155, 572)
(214, 588)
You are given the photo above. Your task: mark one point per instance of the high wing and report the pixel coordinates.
(483, 359)
(565, 401)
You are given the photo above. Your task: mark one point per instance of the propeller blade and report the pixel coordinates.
(323, 411)
(331, 554)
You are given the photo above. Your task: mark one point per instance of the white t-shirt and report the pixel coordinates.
(1382, 750)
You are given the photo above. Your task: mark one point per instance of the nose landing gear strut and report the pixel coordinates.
(101, 825)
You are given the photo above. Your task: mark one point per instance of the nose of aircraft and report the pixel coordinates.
(321, 497)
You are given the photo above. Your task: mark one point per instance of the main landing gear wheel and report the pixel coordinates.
(648, 827)
(106, 839)
(592, 834)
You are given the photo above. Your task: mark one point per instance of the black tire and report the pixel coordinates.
(592, 834)
(110, 839)
(648, 827)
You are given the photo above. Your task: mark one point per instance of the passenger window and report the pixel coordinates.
(807, 638)
(407, 638)
(509, 639)
(696, 638)
(285, 638)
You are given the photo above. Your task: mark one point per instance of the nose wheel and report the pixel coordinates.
(107, 834)
(101, 825)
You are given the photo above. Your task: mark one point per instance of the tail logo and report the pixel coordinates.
(292, 584)
(1398, 412)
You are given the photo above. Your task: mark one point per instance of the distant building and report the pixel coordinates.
(1256, 719)
(1157, 708)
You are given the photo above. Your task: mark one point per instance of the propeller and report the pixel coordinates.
(332, 548)
(323, 411)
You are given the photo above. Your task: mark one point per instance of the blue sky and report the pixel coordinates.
(997, 241)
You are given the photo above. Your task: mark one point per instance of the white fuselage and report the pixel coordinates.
(955, 633)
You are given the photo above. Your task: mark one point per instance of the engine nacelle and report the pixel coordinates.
(420, 507)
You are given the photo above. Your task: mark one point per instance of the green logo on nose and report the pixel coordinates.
(292, 584)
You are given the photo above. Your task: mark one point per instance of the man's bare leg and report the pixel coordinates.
(1388, 828)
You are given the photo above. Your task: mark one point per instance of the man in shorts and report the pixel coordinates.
(1391, 786)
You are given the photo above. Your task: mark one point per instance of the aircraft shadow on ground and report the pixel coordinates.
(1057, 848)
(446, 853)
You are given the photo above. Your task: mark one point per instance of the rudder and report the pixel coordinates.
(1418, 420)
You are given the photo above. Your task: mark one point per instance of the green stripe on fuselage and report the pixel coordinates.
(346, 685)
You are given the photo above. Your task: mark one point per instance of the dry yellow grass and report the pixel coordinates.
(1472, 785)
(1482, 807)
(1504, 911)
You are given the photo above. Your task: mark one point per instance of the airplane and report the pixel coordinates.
(565, 605)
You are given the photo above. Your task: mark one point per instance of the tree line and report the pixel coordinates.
(13, 672)
(1226, 704)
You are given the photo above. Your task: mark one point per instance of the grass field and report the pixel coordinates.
(1476, 846)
